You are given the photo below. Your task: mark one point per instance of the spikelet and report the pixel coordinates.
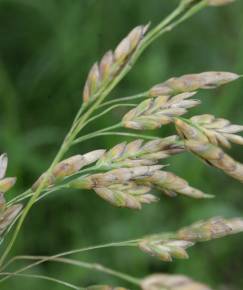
(192, 82)
(136, 153)
(198, 143)
(216, 157)
(112, 63)
(5, 183)
(104, 287)
(118, 186)
(8, 215)
(172, 282)
(115, 176)
(128, 195)
(218, 131)
(219, 2)
(155, 112)
(165, 250)
(172, 185)
(211, 229)
(68, 167)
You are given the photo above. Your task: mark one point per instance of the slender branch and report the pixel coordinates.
(87, 137)
(94, 135)
(107, 111)
(130, 243)
(134, 97)
(48, 278)
(90, 266)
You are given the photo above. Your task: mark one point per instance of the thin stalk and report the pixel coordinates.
(134, 97)
(86, 137)
(97, 134)
(130, 243)
(17, 198)
(108, 110)
(48, 278)
(90, 266)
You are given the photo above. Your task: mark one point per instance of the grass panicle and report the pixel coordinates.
(128, 174)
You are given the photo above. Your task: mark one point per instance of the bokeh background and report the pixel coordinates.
(46, 49)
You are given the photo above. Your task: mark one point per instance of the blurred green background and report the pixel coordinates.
(46, 50)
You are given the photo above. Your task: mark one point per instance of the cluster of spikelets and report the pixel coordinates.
(166, 246)
(101, 74)
(174, 245)
(7, 214)
(129, 171)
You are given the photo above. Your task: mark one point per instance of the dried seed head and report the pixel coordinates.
(165, 250)
(211, 229)
(192, 82)
(219, 2)
(136, 153)
(173, 185)
(128, 195)
(68, 167)
(155, 112)
(216, 157)
(172, 282)
(8, 216)
(218, 131)
(112, 63)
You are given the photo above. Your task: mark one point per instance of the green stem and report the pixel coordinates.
(90, 266)
(97, 134)
(87, 137)
(58, 281)
(134, 97)
(130, 243)
(107, 111)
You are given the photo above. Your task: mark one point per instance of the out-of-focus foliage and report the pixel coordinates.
(46, 50)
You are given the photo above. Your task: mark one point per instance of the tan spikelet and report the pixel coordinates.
(216, 157)
(112, 63)
(172, 185)
(172, 282)
(68, 167)
(128, 195)
(192, 82)
(8, 215)
(211, 229)
(115, 176)
(6, 183)
(218, 131)
(155, 112)
(138, 153)
(165, 250)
